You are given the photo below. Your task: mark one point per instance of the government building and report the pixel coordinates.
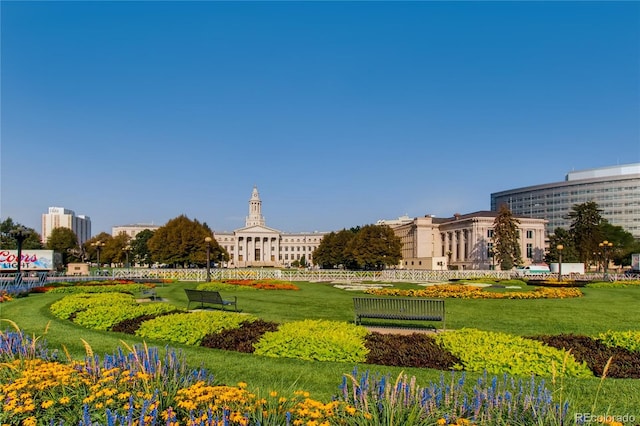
(462, 242)
(459, 242)
(257, 245)
(616, 190)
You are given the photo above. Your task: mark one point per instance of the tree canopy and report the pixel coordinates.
(65, 242)
(7, 241)
(181, 242)
(368, 247)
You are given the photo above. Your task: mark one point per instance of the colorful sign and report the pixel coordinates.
(32, 260)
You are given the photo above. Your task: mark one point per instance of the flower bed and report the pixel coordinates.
(460, 291)
(140, 385)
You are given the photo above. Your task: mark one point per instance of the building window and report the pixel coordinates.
(529, 234)
(530, 250)
(489, 233)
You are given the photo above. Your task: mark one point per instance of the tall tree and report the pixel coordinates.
(91, 248)
(375, 247)
(181, 241)
(65, 242)
(561, 237)
(139, 250)
(332, 251)
(506, 239)
(586, 229)
(7, 241)
(624, 244)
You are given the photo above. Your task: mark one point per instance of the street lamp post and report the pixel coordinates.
(98, 245)
(208, 241)
(605, 246)
(19, 234)
(126, 250)
(560, 247)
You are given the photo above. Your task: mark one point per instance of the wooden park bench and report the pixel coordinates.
(399, 309)
(210, 297)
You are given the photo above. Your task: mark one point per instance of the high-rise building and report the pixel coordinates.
(59, 217)
(616, 190)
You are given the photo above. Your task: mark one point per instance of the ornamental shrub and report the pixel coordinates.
(190, 328)
(499, 353)
(68, 306)
(108, 288)
(629, 340)
(315, 340)
(218, 286)
(104, 317)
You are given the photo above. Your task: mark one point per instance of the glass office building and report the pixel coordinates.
(615, 189)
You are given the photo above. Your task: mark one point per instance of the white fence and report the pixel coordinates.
(12, 283)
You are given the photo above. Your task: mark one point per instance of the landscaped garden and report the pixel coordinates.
(512, 354)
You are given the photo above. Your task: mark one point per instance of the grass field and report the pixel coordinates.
(600, 309)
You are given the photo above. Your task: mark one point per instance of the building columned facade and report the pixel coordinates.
(462, 241)
(257, 245)
(615, 189)
(59, 217)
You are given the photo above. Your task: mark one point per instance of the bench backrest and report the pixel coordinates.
(206, 296)
(394, 305)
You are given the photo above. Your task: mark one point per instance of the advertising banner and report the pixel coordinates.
(32, 260)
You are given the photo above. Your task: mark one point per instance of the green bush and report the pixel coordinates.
(105, 317)
(499, 353)
(315, 340)
(190, 328)
(218, 286)
(115, 288)
(629, 340)
(66, 307)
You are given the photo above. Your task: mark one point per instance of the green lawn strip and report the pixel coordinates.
(598, 311)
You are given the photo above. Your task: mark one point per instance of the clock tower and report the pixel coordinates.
(255, 210)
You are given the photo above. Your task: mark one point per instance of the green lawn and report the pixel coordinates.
(598, 311)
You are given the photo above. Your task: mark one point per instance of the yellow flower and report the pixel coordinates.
(46, 404)
(29, 421)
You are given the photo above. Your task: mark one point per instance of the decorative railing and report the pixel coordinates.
(15, 283)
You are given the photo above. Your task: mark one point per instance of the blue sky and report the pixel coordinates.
(342, 113)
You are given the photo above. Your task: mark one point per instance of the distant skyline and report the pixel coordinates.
(341, 113)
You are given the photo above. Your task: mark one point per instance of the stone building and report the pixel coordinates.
(257, 245)
(462, 241)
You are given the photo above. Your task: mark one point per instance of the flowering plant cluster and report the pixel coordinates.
(4, 296)
(265, 284)
(460, 291)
